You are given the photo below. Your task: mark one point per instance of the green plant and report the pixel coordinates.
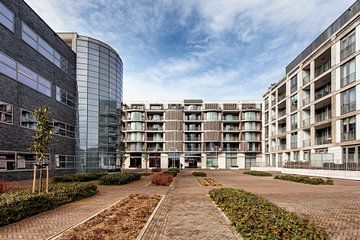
(163, 179)
(119, 179)
(305, 179)
(174, 169)
(199, 174)
(256, 218)
(172, 173)
(15, 206)
(78, 177)
(258, 173)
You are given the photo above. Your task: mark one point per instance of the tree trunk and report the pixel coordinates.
(47, 179)
(34, 179)
(40, 178)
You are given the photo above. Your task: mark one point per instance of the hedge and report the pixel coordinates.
(119, 179)
(305, 179)
(15, 206)
(258, 173)
(162, 179)
(199, 174)
(78, 177)
(256, 218)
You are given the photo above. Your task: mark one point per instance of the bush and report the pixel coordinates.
(305, 179)
(5, 187)
(256, 218)
(199, 174)
(15, 206)
(174, 169)
(163, 179)
(258, 173)
(119, 179)
(172, 173)
(156, 170)
(78, 177)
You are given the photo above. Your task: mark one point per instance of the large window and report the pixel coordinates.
(24, 75)
(294, 121)
(348, 72)
(347, 45)
(6, 113)
(348, 100)
(64, 161)
(293, 84)
(212, 116)
(7, 17)
(63, 129)
(348, 128)
(17, 161)
(35, 41)
(154, 160)
(65, 97)
(231, 160)
(294, 140)
(27, 119)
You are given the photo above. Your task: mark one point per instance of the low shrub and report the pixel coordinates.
(156, 170)
(78, 177)
(256, 218)
(5, 187)
(305, 179)
(258, 173)
(15, 206)
(119, 179)
(163, 179)
(199, 174)
(172, 173)
(173, 169)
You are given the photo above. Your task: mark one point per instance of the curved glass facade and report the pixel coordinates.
(99, 80)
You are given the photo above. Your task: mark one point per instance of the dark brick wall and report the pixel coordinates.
(13, 137)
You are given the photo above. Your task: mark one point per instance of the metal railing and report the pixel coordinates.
(323, 140)
(307, 143)
(322, 92)
(348, 79)
(281, 113)
(306, 101)
(306, 79)
(323, 68)
(348, 136)
(306, 122)
(349, 107)
(348, 50)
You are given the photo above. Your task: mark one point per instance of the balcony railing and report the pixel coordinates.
(193, 139)
(231, 149)
(323, 116)
(155, 139)
(154, 129)
(231, 139)
(281, 113)
(192, 129)
(282, 131)
(155, 118)
(294, 144)
(322, 92)
(307, 143)
(155, 149)
(323, 140)
(323, 68)
(282, 147)
(306, 122)
(294, 126)
(230, 118)
(348, 136)
(281, 96)
(347, 50)
(230, 129)
(348, 79)
(349, 107)
(294, 106)
(192, 149)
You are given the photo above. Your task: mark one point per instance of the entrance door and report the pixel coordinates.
(174, 160)
(250, 161)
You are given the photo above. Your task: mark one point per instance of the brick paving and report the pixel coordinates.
(50, 223)
(188, 213)
(336, 208)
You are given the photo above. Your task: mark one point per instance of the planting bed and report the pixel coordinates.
(208, 181)
(305, 179)
(122, 221)
(258, 173)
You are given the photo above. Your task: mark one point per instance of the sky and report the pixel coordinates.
(197, 49)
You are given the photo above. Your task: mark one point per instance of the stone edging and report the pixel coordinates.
(223, 215)
(59, 234)
(142, 232)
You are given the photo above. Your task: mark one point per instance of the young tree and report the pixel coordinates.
(146, 157)
(122, 156)
(40, 145)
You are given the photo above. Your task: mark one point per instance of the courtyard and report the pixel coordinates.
(187, 212)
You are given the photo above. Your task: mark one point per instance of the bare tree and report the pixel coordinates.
(146, 157)
(122, 156)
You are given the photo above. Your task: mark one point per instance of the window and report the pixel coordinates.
(27, 119)
(64, 161)
(18, 161)
(7, 66)
(63, 129)
(65, 97)
(294, 121)
(294, 140)
(296, 156)
(347, 45)
(212, 116)
(154, 161)
(6, 17)
(294, 102)
(348, 128)
(6, 113)
(231, 160)
(7, 161)
(348, 72)
(35, 41)
(348, 100)
(293, 84)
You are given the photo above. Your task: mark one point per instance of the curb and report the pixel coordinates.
(143, 230)
(228, 222)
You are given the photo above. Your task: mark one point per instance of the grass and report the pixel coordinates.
(305, 180)
(256, 218)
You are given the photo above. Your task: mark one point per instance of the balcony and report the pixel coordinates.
(306, 101)
(281, 113)
(294, 126)
(195, 129)
(349, 107)
(282, 131)
(154, 129)
(193, 149)
(294, 107)
(230, 139)
(323, 116)
(347, 50)
(348, 79)
(155, 149)
(294, 144)
(281, 96)
(323, 140)
(323, 68)
(231, 149)
(306, 123)
(230, 129)
(306, 79)
(307, 143)
(282, 147)
(193, 139)
(348, 136)
(230, 118)
(155, 118)
(322, 92)
(155, 139)
(192, 118)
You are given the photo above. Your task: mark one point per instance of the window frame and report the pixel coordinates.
(3, 14)
(6, 113)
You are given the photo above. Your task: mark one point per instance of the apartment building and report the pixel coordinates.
(78, 77)
(192, 133)
(312, 116)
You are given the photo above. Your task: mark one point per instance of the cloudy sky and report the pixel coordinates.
(210, 49)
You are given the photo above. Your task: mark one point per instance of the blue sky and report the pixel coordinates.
(209, 49)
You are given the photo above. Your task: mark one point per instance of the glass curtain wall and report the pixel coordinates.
(99, 80)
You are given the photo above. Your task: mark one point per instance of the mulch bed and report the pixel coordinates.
(122, 221)
(208, 181)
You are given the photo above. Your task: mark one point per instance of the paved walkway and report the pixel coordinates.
(50, 223)
(188, 213)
